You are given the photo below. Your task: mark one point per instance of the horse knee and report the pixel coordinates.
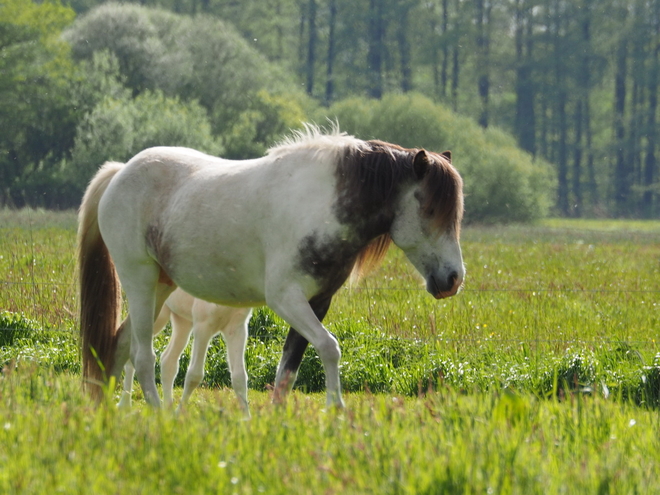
(329, 351)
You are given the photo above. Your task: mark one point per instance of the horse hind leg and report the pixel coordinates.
(145, 298)
(129, 369)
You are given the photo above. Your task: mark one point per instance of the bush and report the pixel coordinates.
(195, 58)
(502, 183)
(119, 128)
(15, 327)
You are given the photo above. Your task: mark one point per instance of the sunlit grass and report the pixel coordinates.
(53, 440)
(541, 376)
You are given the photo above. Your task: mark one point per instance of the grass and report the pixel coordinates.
(447, 442)
(542, 376)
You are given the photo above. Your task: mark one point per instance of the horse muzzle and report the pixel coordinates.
(443, 286)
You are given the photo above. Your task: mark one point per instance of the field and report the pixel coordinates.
(541, 376)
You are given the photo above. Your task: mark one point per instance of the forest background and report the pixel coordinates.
(550, 106)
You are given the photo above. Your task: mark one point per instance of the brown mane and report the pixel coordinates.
(368, 181)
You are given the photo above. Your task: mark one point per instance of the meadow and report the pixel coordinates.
(541, 376)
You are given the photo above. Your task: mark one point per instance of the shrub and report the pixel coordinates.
(502, 183)
(119, 128)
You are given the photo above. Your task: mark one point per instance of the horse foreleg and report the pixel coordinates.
(294, 350)
(169, 360)
(235, 335)
(292, 306)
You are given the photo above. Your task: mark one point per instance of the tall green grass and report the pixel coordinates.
(554, 306)
(52, 440)
(542, 376)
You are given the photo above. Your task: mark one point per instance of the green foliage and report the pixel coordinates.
(15, 327)
(37, 121)
(195, 58)
(266, 118)
(502, 183)
(118, 128)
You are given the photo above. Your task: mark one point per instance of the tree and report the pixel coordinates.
(376, 48)
(525, 122)
(483, 23)
(621, 171)
(330, 59)
(311, 45)
(37, 121)
(650, 163)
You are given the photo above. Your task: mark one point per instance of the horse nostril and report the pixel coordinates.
(453, 277)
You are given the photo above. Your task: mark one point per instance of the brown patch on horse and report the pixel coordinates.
(160, 250)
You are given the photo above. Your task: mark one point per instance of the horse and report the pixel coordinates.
(204, 320)
(285, 230)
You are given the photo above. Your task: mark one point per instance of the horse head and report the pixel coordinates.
(427, 222)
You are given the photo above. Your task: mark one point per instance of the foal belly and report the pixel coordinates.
(221, 286)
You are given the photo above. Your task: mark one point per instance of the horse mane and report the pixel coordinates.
(314, 138)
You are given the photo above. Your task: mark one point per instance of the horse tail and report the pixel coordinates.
(370, 257)
(100, 291)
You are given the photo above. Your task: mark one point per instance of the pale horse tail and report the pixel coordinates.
(100, 291)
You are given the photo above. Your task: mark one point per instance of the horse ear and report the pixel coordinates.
(447, 155)
(420, 164)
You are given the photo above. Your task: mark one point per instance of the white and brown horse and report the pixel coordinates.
(284, 230)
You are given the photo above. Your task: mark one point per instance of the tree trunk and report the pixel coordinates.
(455, 56)
(621, 172)
(650, 162)
(576, 210)
(375, 55)
(525, 123)
(311, 47)
(330, 84)
(561, 100)
(445, 48)
(404, 48)
(583, 85)
(483, 57)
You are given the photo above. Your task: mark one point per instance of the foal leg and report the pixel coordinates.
(127, 392)
(294, 349)
(169, 360)
(235, 335)
(203, 332)
(291, 305)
